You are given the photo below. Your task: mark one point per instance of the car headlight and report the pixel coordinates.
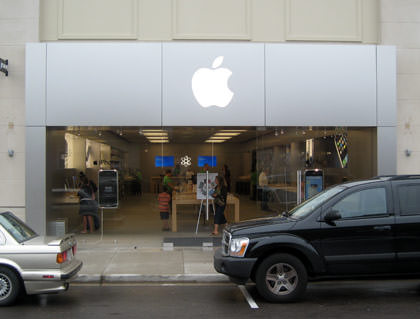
(238, 247)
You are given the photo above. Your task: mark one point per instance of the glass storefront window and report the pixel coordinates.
(261, 166)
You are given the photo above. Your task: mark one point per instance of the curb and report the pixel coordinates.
(177, 278)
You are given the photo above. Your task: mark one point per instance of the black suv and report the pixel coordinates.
(369, 227)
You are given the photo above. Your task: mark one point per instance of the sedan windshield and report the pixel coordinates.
(311, 204)
(16, 228)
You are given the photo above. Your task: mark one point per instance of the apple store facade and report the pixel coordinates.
(276, 107)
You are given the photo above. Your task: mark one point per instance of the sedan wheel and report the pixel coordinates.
(9, 286)
(281, 278)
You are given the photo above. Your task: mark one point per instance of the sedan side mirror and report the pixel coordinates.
(332, 216)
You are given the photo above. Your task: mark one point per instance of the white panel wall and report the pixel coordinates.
(320, 85)
(155, 20)
(400, 26)
(255, 20)
(268, 22)
(386, 85)
(97, 19)
(218, 19)
(104, 84)
(18, 25)
(324, 20)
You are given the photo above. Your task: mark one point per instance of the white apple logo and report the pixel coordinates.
(210, 86)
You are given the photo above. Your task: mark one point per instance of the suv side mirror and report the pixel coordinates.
(332, 216)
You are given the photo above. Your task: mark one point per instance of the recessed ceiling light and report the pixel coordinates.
(220, 137)
(227, 134)
(156, 137)
(155, 134)
(215, 141)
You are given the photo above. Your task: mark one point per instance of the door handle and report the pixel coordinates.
(382, 228)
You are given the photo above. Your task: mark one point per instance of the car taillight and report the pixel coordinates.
(61, 257)
(74, 249)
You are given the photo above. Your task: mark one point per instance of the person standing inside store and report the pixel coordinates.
(177, 170)
(91, 183)
(138, 180)
(206, 168)
(164, 200)
(88, 205)
(253, 184)
(189, 174)
(263, 184)
(220, 199)
(226, 175)
(167, 181)
(169, 184)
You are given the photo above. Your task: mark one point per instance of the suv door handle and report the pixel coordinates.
(381, 228)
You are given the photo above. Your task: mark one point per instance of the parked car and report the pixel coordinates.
(31, 263)
(369, 228)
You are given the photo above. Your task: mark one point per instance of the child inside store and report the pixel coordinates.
(164, 199)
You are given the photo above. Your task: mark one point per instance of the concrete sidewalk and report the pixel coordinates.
(144, 260)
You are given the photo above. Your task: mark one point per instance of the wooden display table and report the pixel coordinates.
(191, 199)
(283, 187)
(156, 182)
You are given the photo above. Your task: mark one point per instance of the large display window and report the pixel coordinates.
(263, 168)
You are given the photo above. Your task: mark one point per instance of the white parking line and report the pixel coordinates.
(248, 297)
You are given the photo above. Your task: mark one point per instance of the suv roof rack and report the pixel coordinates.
(397, 177)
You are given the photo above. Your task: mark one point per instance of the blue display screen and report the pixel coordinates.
(164, 161)
(210, 160)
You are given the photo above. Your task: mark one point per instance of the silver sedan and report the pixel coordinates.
(31, 263)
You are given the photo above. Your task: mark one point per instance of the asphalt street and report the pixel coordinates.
(344, 299)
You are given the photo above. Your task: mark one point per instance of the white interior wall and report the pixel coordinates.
(76, 152)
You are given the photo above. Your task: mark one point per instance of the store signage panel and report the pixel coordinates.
(208, 83)
(320, 85)
(103, 84)
(35, 75)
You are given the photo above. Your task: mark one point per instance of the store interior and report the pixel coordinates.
(142, 155)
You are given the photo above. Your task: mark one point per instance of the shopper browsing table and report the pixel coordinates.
(167, 181)
(220, 198)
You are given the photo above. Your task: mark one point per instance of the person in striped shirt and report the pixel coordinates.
(164, 199)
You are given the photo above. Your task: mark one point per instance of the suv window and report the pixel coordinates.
(363, 203)
(307, 207)
(409, 197)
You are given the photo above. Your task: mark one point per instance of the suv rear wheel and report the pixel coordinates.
(9, 286)
(281, 278)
